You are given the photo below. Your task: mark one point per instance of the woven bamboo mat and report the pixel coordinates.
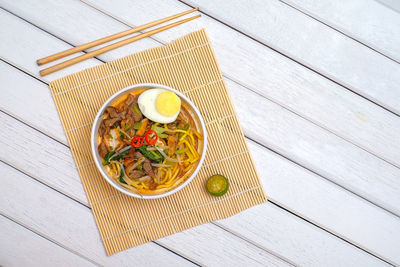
(188, 65)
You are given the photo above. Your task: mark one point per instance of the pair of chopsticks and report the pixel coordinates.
(112, 46)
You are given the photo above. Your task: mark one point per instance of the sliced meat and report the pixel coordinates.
(129, 115)
(133, 116)
(171, 145)
(137, 155)
(130, 99)
(111, 122)
(122, 114)
(148, 168)
(114, 113)
(136, 174)
(137, 116)
(102, 129)
(102, 150)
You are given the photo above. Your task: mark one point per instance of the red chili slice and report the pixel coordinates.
(137, 141)
(151, 140)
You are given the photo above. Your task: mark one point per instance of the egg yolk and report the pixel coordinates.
(168, 103)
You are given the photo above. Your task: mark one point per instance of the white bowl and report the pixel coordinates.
(94, 138)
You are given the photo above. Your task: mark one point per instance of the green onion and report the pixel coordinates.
(181, 151)
(126, 152)
(185, 128)
(140, 167)
(107, 158)
(121, 176)
(136, 109)
(152, 155)
(118, 157)
(137, 125)
(160, 131)
(163, 135)
(121, 135)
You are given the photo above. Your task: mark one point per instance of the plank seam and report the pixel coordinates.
(215, 223)
(48, 238)
(316, 123)
(55, 36)
(233, 80)
(31, 126)
(335, 28)
(262, 145)
(256, 244)
(268, 98)
(247, 136)
(292, 59)
(388, 6)
(56, 140)
(158, 242)
(320, 175)
(177, 253)
(66, 195)
(334, 234)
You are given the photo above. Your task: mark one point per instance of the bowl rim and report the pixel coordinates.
(96, 156)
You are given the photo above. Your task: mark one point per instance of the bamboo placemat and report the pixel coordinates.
(188, 65)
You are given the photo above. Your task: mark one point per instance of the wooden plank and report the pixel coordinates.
(306, 239)
(368, 126)
(324, 204)
(313, 44)
(393, 4)
(36, 205)
(30, 100)
(60, 159)
(43, 214)
(288, 84)
(292, 136)
(22, 247)
(367, 21)
(285, 183)
(18, 107)
(31, 46)
(213, 246)
(295, 137)
(68, 223)
(229, 85)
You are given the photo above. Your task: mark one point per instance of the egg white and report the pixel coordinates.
(147, 105)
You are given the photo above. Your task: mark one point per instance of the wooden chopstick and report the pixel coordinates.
(111, 47)
(109, 38)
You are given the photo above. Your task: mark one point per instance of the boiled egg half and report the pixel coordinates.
(159, 105)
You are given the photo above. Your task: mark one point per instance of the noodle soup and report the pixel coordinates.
(150, 141)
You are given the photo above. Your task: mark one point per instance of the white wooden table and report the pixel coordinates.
(316, 86)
